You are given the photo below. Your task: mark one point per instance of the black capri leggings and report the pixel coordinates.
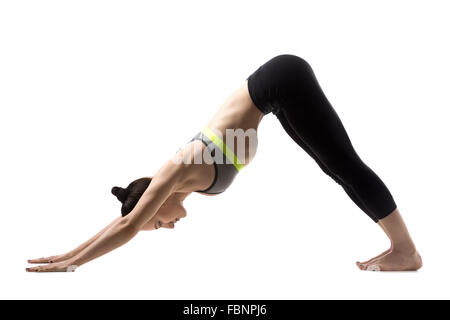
(287, 87)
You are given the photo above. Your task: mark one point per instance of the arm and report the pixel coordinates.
(75, 251)
(164, 182)
(125, 229)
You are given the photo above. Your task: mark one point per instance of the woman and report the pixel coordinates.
(285, 86)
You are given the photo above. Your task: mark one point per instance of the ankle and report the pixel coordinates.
(404, 248)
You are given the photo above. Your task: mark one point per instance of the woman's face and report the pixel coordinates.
(170, 213)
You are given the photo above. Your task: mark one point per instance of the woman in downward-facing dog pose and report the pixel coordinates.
(287, 87)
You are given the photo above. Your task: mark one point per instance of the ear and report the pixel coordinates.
(120, 193)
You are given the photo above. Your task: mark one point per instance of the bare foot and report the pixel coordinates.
(395, 261)
(364, 264)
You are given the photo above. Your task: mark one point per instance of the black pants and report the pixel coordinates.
(287, 87)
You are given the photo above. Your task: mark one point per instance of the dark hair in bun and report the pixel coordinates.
(130, 195)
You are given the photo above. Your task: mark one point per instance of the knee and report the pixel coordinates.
(345, 169)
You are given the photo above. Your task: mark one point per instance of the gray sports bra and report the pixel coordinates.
(225, 170)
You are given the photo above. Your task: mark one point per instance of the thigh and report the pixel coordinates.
(319, 127)
(294, 136)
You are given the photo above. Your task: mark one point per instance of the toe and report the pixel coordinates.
(373, 267)
(360, 265)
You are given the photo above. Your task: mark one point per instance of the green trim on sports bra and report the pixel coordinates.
(223, 147)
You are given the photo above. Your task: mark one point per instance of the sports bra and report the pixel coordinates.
(227, 168)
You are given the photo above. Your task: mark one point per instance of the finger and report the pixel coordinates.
(34, 269)
(44, 269)
(37, 269)
(40, 260)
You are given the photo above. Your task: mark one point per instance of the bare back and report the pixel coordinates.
(237, 112)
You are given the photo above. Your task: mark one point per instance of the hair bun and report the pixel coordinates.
(120, 193)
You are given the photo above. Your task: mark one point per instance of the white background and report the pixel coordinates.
(98, 93)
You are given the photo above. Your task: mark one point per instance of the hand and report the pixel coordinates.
(64, 266)
(51, 259)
